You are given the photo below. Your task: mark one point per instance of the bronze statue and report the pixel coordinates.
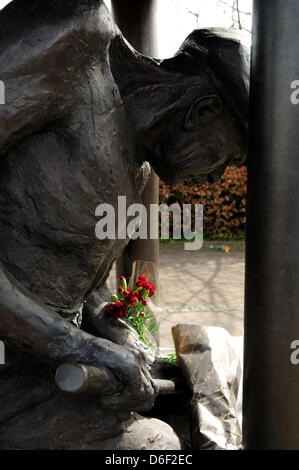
(82, 112)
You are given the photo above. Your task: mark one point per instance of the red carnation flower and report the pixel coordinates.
(130, 298)
(145, 285)
(118, 310)
(150, 287)
(139, 295)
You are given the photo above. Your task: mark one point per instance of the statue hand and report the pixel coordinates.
(138, 389)
(134, 376)
(121, 377)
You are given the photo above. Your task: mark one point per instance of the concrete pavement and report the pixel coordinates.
(201, 287)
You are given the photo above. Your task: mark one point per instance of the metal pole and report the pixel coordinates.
(137, 21)
(271, 381)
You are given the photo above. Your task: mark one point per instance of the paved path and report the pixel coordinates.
(204, 286)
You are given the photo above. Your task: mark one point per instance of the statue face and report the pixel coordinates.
(208, 138)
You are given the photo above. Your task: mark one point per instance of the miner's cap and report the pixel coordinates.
(222, 54)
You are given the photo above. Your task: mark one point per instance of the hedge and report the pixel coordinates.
(224, 203)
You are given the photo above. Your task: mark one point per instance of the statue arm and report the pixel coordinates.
(31, 326)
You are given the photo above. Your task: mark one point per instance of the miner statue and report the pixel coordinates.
(83, 111)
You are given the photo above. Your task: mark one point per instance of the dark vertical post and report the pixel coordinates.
(271, 381)
(137, 21)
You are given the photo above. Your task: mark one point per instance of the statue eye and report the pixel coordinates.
(203, 110)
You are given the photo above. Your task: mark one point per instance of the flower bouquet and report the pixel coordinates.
(139, 304)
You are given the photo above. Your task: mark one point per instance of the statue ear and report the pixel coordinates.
(203, 110)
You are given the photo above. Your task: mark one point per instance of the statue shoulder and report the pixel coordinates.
(45, 50)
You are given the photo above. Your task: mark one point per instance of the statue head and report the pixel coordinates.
(188, 114)
(192, 121)
(214, 127)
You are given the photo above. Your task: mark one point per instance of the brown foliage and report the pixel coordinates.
(224, 203)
